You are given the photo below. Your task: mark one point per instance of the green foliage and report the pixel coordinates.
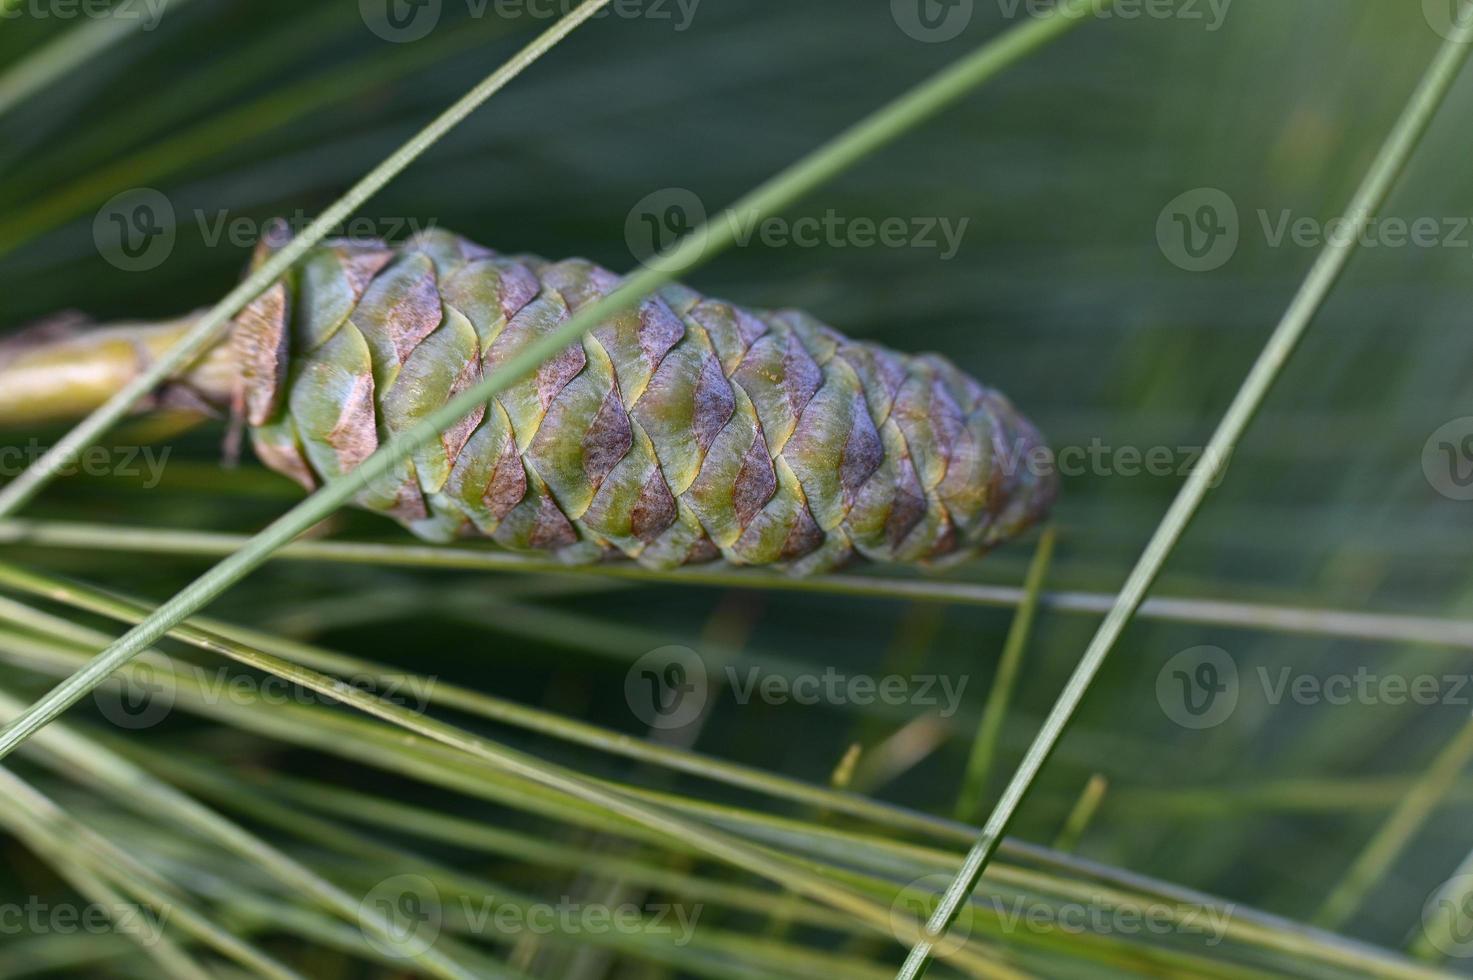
(1058, 293)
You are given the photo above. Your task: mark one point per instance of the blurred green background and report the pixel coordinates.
(1062, 294)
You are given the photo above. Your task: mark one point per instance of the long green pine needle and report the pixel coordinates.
(110, 859)
(708, 839)
(1000, 694)
(1375, 188)
(72, 50)
(848, 149)
(1392, 837)
(1342, 623)
(43, 839)
(210, 326)
(84, 757)
(364, 741)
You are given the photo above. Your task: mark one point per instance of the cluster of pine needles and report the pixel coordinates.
(387, 758)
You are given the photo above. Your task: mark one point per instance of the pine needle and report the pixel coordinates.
(1000, 694)
(847, 150)
(71, 51)
(1374, 190)
(208, 329)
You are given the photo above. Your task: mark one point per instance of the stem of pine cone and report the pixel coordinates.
(58, 371)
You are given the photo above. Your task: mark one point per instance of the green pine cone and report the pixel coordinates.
(686, 430)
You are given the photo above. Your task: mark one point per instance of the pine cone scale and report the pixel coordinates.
(682, 430)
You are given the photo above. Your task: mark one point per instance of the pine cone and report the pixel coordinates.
(685, 430)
